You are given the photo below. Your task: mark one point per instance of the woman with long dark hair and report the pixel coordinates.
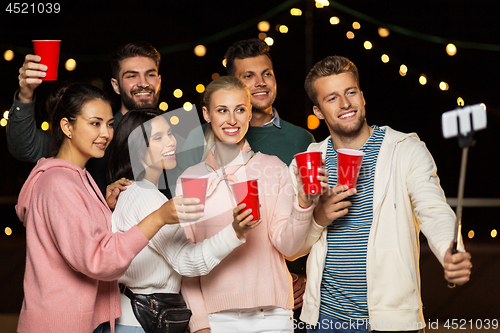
(73, 259)
(144, 151)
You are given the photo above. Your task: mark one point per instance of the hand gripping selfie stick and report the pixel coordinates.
(462, 123)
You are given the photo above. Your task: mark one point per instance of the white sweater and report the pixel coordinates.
(159, 266)
(407, 198)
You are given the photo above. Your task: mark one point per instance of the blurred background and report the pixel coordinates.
(416, 60)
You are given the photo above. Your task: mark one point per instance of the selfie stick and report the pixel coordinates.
(462, 123)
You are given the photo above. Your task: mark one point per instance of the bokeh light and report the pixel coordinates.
(269, 41)
(383, 32)
(200, 88)
(6, 114)
(460, 101)
(8, 55)
(312, 122)
(443, 86)
(422, 79)
(263, 26)
(384, 58)
(334, 20)
(493, 233)
(356, 25)
(174, 120)
(163, 106)
(350, 35)
(178, 93)
(3, 122)
(8, 231)
(45, 126)
(200, 50)
(70, 65)
(403, 70)
(471, 234)
(451, 49)
(367, 45)
(295, 12)
(283, 29)
(188, 106)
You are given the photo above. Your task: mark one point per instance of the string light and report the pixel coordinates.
(356, 25)
(8, 231)
(269, 41)
(295, 12)
(385, 58)
(460, 101)
(367, 45)
(283, 29)
(350, 35)
(263, 26)
(6, 114)
(471, 234)
(8, 55)
(493, 233)
(403, 70)
(174, 120)
(200, 50)
(3, 122)
(262, 36)
(312, 122)
(216, 75)
(163, 106)
(178, 93)
(200, 88)
(422, 79)
(70, 65)
(334, 20)
(383, 32)
(188, 106)
(451, 49)
(45, 126)
(443, 86)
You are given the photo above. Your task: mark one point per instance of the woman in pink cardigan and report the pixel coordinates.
(72, 258)
(251, 289)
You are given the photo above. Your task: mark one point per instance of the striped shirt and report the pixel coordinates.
(343, 287)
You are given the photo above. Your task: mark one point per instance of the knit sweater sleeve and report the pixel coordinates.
(290, 223)
(185, 257)
(79, 228)
(191, 291)
(189, 259)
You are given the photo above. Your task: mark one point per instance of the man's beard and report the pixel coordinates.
(350, 132)
(131, 104)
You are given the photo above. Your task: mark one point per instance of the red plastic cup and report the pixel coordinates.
(48, 50)
(348, 166)
(248, 192)
(308, 164)
(195, 187)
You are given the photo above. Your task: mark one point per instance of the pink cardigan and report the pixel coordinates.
(255, 274)
(72, 258)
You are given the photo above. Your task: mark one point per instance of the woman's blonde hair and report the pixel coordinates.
(220, 83)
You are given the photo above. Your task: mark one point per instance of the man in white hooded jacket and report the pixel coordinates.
(363, 272)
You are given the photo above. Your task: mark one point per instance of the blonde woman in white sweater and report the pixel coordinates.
(158, 268)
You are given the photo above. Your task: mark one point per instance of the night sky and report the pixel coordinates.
(91, 30)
